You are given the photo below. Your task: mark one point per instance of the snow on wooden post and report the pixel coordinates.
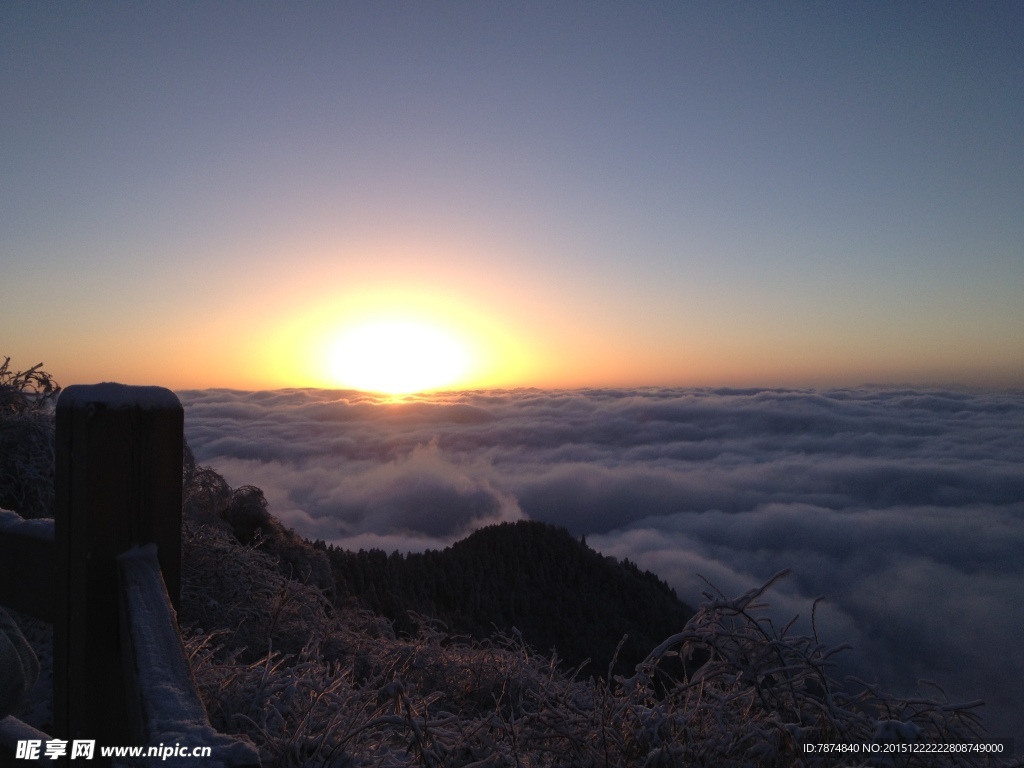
(118, 485)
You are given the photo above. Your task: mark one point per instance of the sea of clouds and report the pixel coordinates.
(903, 508)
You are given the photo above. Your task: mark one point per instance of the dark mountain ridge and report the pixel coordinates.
(528, 576)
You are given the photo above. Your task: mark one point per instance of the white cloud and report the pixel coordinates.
(903, 509)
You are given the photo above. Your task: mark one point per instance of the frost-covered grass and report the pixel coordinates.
(313, 685)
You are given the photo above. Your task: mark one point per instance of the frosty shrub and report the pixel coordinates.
(27, 400)
(242, 514)
(228, 586)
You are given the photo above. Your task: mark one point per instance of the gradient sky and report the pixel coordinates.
(588, 194)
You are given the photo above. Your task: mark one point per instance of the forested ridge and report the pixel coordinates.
(531, 576)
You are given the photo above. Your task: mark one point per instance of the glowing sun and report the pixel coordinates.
(397, 356)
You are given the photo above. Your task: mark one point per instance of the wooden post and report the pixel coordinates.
(118, 485)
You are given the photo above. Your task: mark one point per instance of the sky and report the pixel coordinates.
(902, 508)
(651, 251)
(538, 194)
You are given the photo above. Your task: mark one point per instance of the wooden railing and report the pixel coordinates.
(106, 573)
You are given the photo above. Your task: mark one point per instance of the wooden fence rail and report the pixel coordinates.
(107, 575)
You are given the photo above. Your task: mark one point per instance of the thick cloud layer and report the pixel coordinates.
(903, 508)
